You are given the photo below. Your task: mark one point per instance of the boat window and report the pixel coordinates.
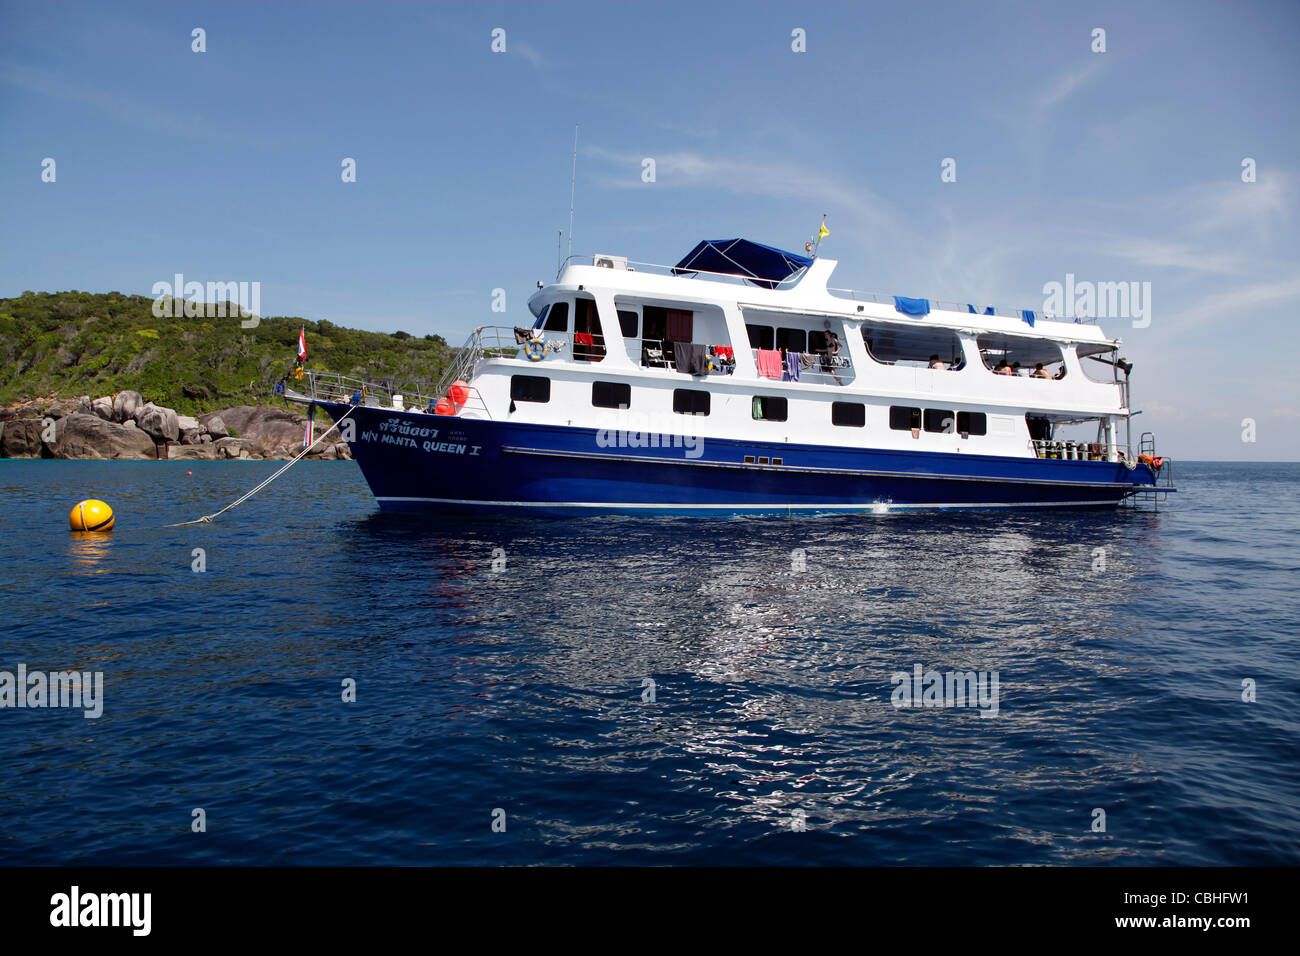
(690, 401)
(940, 420)
(1021, 355)
(588, 342)
(792, 340)
(849, 414)
(972, 423)
(761, 336)
(912, 347)
(768, 408)
(627, 323)
(557, 318)
(611, 394)
(667, 325)
(904, 418)
(1098, 362)
(530, 388)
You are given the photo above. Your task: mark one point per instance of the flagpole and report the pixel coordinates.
(819, 236)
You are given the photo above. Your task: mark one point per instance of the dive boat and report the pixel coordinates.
(737, 381)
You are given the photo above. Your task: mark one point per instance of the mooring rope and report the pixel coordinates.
(289, 464)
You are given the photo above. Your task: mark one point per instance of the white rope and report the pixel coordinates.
(293, 461)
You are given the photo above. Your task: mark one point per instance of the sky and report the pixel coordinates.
(1115, 165)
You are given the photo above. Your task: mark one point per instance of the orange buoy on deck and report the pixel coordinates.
(459, 392)
(91, 515)
(444, 407)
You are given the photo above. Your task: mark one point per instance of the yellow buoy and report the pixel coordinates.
(91, 515)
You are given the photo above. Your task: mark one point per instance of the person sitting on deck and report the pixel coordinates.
(1003, 368)
(1016, 369)
(936, 363)
(1040, 372)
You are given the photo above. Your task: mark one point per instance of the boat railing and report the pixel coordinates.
(627, 265)
(879, 298)
(659, 353)
(379, 393)
(816, 367)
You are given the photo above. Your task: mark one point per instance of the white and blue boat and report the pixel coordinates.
(737, 381)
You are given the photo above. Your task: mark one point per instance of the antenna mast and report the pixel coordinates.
(573, 180)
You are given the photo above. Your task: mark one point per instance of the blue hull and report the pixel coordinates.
(441, 463)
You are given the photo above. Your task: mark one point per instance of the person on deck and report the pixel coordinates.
(936, 363)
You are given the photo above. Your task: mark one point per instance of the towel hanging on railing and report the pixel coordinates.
(911, 306)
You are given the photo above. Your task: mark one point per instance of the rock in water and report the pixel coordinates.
(126, 404)
(21, 438)
(89, 436)
(158, 423)
(278, 430)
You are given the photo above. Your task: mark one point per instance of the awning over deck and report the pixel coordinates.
(763, 265)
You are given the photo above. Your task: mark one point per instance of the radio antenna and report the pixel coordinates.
(573, 180)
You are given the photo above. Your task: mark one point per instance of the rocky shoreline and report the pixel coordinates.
(126, 427)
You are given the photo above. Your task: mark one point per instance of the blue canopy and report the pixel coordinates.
(762, 265)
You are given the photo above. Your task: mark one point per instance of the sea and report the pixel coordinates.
(307, 680)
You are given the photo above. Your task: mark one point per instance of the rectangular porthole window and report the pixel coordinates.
(761, 336)
(777, 461)
(690, 401)
(749, 459)
(762, 459)
(792, 340)
(972, 423)
(770, 409)
(903, 418)
(940, 420)
(530, 388)
(849, 414)
(611, 395)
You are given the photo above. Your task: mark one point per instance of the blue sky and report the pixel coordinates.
(1115, 166)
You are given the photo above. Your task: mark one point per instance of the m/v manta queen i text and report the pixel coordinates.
(737, 381)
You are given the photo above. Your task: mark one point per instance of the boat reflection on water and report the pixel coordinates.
(743, 668)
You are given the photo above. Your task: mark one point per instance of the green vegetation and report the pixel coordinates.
(65, 344)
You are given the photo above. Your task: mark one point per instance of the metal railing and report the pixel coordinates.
(659, 353)
(824, 368)
(628, 265)
(879, 298)
(1070, 450)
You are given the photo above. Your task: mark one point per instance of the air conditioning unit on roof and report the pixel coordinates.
(611, 262)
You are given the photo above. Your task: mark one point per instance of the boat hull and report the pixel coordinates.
(418, 462)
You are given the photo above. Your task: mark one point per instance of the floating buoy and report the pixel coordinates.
(189, 472)
(444, 407)
(459, 392)
(91, 515)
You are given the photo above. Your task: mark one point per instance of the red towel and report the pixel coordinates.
(769, 363)
(582, 338)
(724, 351)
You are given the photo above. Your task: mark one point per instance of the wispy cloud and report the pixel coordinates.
(529, 53)
(1236, 303)
(1066, 84)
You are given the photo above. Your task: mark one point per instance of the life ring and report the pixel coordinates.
(535, 349)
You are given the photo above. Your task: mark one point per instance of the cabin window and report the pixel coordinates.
(972, 423)
(913, 347)
(627, 323)
(761, 336)
(530, 388)
(792, 340)
(588, 342)
(611, 394)
(690, 401)
(941, 420)
(1021, 355)
(768, 408)
(557, 318)
(903, 418)
(848, 414)
(667, 325)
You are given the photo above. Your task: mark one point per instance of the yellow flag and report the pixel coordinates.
(823, 232)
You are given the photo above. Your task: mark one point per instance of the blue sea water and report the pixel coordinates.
(511, 684)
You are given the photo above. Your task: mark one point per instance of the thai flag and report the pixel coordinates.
(302, 343)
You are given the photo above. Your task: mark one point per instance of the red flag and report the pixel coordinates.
(302, 343)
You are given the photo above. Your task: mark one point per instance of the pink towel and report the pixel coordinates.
(769, 363)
